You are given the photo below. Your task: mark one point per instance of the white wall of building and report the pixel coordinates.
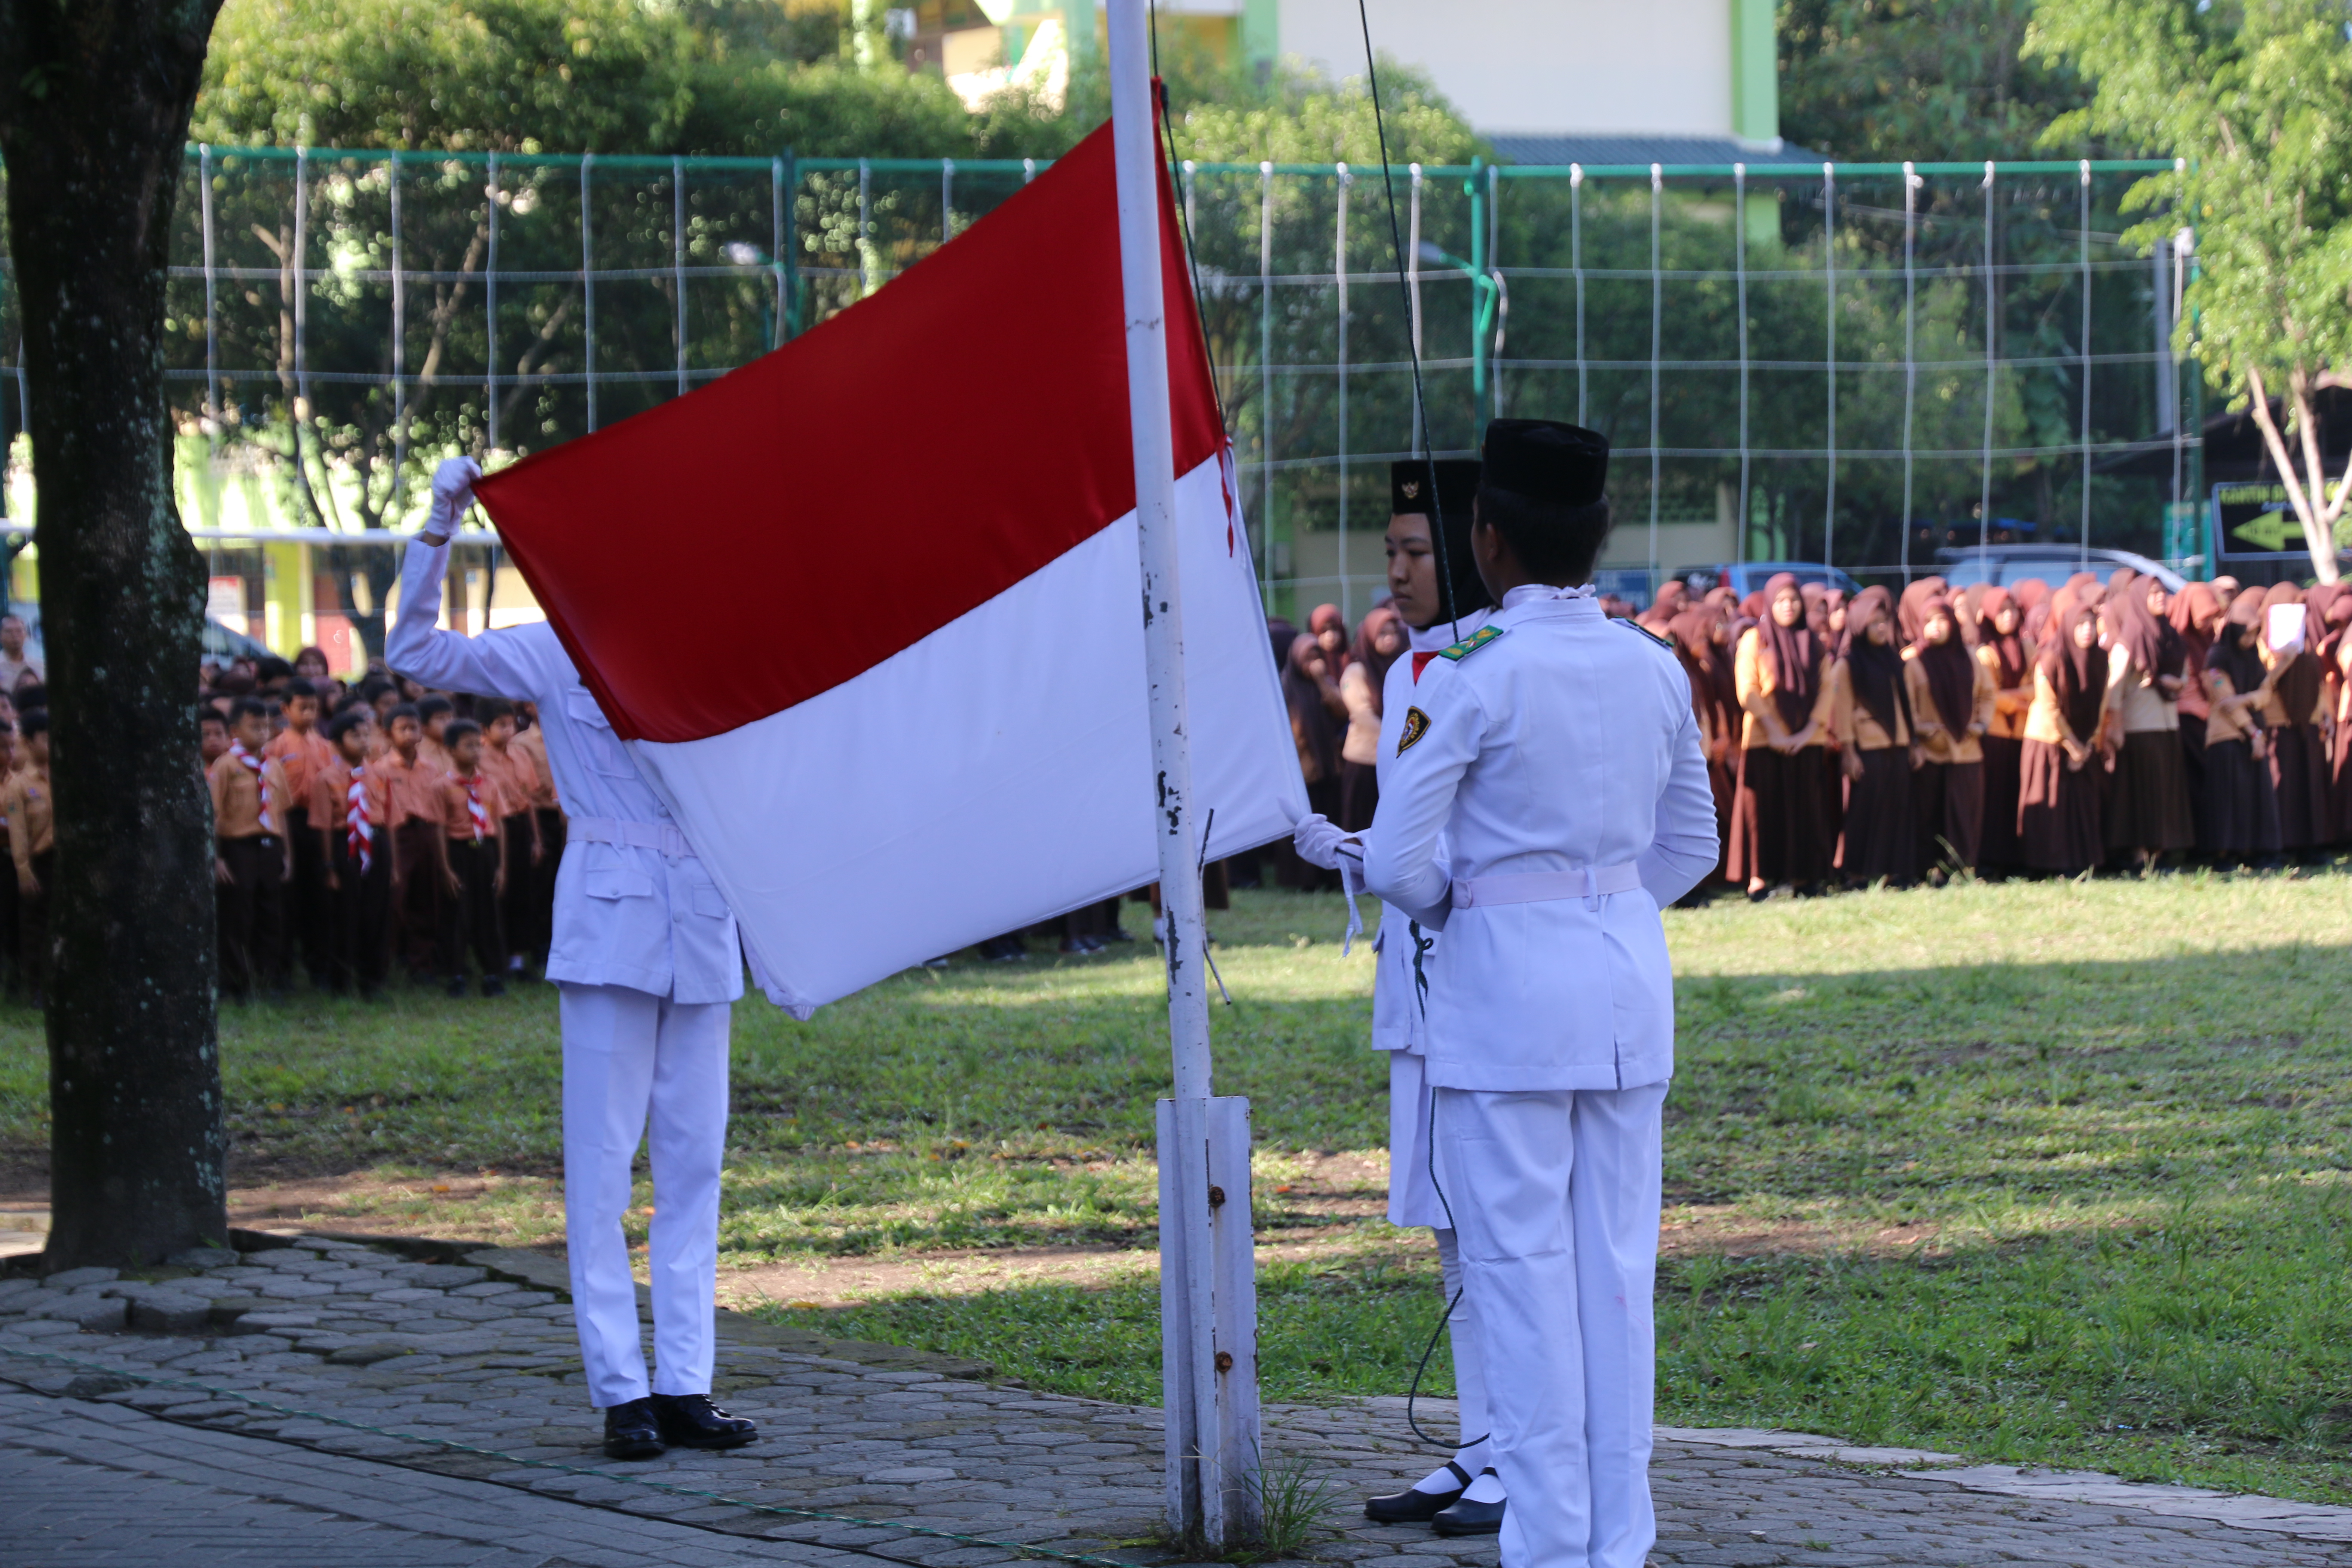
(1536, 67)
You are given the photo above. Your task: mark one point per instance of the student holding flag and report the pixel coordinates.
(648, 962)
(1547, 795)
(1442, 601)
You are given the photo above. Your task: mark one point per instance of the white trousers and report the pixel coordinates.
(631, 1058)
(1555, 1199)
(1462, 1333)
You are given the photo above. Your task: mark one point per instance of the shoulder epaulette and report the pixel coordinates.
(1644, 631)
(1470, 644)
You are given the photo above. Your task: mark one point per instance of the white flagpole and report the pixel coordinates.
(1209, 1379)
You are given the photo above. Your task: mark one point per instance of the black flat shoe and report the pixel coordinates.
(630, 1432)
(1467, 1517)
(1413, 1507)
(691, 1421)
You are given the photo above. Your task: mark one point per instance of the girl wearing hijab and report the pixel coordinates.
(2195, 615)
(2238, 823)
(2335, 651)
(1951, 708)
(1329, 630)
(1703, 642)
(1379, 640)
(2298, 754)
(2147, 813)
(2058, 789)
(1317, 713)
(2007, 659)
(1871, 708)
(1781, 830)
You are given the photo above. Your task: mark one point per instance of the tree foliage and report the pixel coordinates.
(1883, 80)
(2256, 100)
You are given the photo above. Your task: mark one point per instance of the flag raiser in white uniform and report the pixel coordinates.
(1556, 747)
(645, 955)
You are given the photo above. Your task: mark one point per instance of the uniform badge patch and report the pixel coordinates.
(1470, 644)
(1416, 725)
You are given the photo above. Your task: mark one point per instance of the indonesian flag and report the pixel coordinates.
(868, 611)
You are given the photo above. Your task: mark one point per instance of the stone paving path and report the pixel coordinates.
(479, 1353)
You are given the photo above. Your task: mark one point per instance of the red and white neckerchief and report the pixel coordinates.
(359, 815)
(474, 806)
(252, 764)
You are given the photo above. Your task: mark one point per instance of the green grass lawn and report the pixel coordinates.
(2052, 1172)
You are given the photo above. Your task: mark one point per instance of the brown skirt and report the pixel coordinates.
(1949, 799)
(2299, 769)
(2057, 810)
(1879, 840)
(2149, 807)
(1780, 831)
(2237, 816)
(1360, 795)
(1998, 847)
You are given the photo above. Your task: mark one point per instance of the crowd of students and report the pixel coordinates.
(1900, 739)
(361, 827)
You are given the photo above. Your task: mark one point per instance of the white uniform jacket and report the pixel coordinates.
(625, 915)
(1396, 1000)
(1562, 743)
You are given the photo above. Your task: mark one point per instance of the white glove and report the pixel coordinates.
(1317, 839)
(453, 492)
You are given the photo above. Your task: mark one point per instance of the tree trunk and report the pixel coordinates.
(94, 102)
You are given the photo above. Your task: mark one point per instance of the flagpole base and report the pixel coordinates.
(1208, 1314)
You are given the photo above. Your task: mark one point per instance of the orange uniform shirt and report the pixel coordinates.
(239, 809)
(532, 743)
(301, 756)
(460, 794)
(410, 789)
(517, 775)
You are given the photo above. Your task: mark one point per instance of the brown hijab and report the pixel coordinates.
(2079, 674)
(2196, 615)
(1874, 669)
(2233, 653)
(1951, 673)
(1365, 649)
(1793, 655)
(1713, 691)
(1311, 724)
(2298, 680)
(2013, 654)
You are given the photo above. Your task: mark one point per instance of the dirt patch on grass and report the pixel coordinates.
(1711, 1231)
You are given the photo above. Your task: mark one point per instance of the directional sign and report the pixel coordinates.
(2257, 521)
(2270, 531)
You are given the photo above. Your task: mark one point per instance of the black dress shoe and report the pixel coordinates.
(1413, 1507)
(1467, 1517)
(691, 1421)
(630, 1432)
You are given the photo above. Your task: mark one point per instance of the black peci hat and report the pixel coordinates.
(1411, 486)
(1547, 460)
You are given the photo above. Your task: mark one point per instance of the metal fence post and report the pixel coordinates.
(1992, 385)
(1910, 348)
(302, 294)
(2086, 545)
(947, 200)
(1265, 376)
(864, 227)
(1495, 274)
(1575, 265)
(212, 286)
(588, 289)
(1339, 268)
(787, 176)
(399, 354)
(677, 255)
(1739, 265)
(491, 316)
(1829, 273)
(1412, 284)
(1657, 333)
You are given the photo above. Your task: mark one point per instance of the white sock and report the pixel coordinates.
(1441, 1481)
(1487, 1487)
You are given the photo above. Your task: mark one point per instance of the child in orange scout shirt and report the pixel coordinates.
(251, 858)
(473, 863)
(349, 806)
(516, 776)
(412, 794)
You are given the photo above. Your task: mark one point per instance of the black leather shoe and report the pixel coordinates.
(691, 1421)
(1467, 1517)
(630, 1432)
(1413, 1507)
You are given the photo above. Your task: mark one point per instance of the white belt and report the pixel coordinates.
(1587, 882)
(662, 835)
